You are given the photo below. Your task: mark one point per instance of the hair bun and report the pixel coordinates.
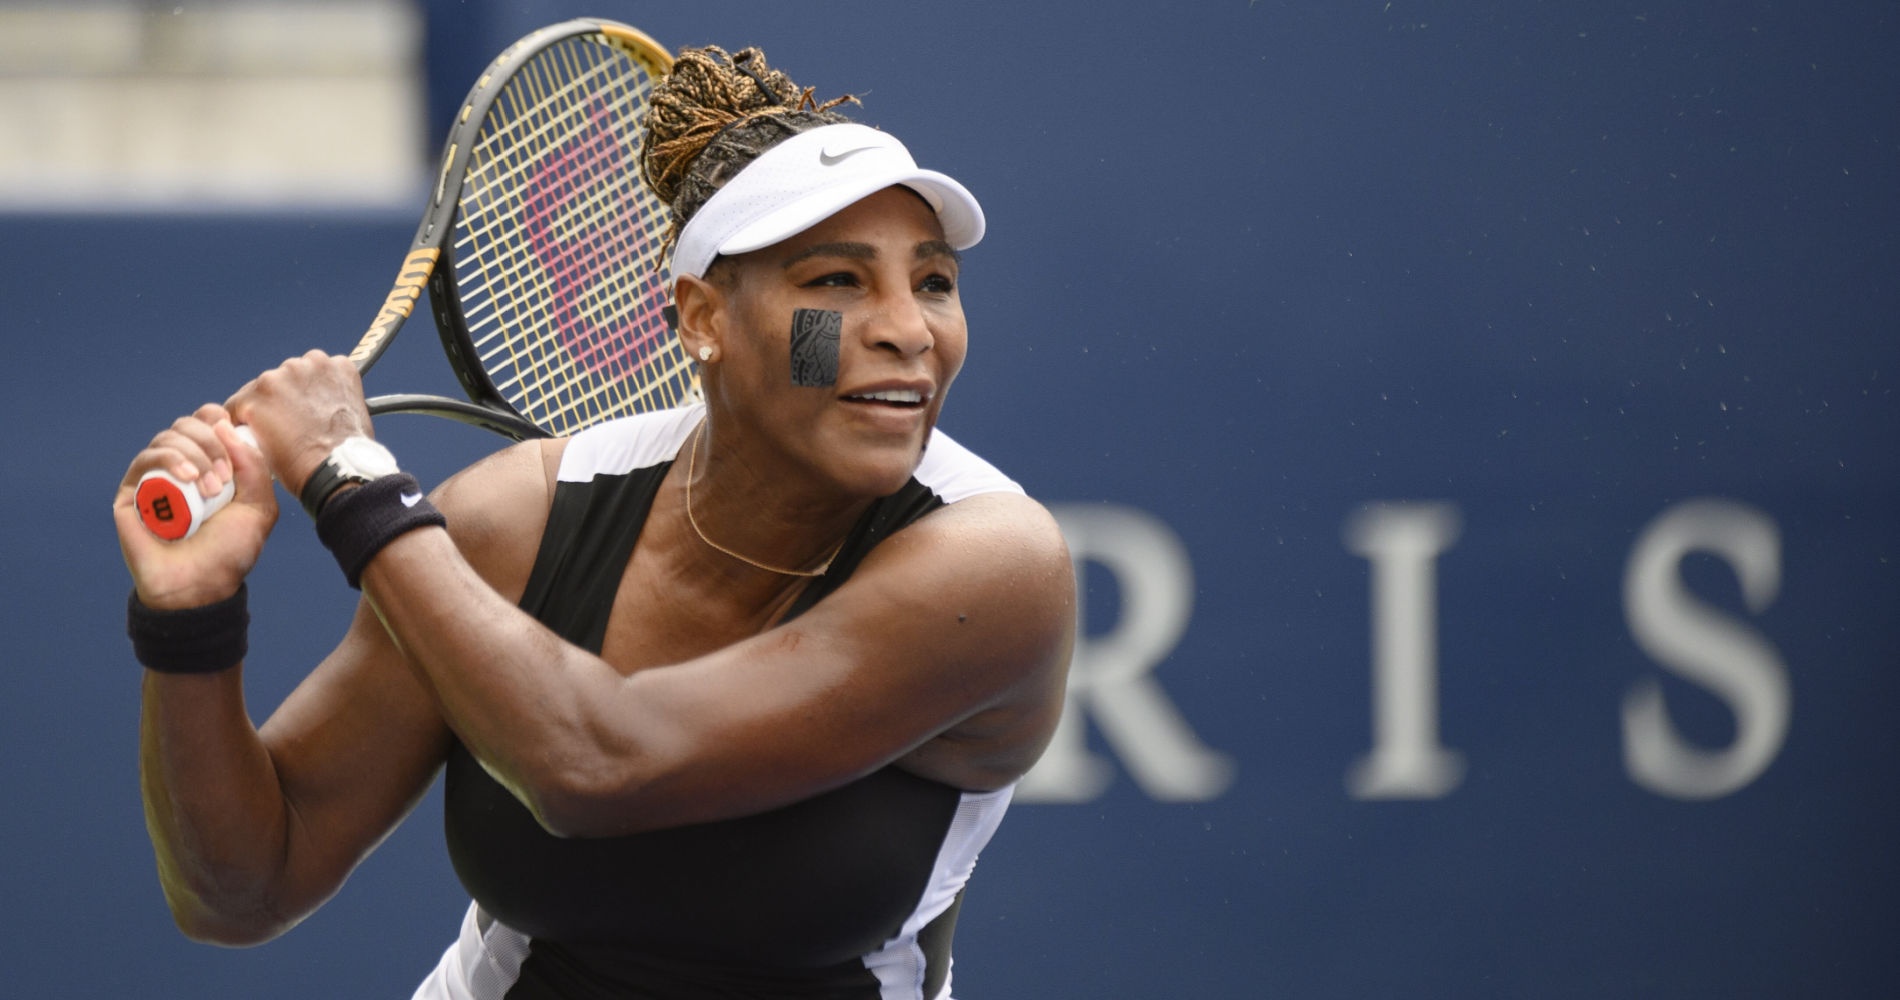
(708, 92)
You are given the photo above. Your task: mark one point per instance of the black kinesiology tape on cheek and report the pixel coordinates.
(815, 335)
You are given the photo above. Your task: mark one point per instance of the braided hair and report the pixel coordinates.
(715, 113)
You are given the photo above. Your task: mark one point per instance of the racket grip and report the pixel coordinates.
(173, 510)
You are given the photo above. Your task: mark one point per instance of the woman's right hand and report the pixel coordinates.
(203, 451)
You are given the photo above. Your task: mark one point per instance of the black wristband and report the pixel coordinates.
(355, 524)
(201, 640)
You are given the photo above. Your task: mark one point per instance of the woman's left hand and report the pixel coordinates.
(300, 411)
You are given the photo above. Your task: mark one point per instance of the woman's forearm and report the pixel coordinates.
(516, 695)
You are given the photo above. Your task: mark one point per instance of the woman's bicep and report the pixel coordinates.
(966, 617)
(969, 609)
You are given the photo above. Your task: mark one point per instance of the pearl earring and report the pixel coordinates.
(705, 354)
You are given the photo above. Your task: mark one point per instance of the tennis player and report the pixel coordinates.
(728, 697)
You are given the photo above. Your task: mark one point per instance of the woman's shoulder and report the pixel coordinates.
(980, 509)
(954, 473)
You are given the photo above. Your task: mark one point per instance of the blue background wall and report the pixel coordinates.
(1558, 267)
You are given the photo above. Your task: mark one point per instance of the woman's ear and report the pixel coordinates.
(699, 310)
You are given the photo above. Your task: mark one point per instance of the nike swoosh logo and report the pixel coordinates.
(833, 159)
(410, 499)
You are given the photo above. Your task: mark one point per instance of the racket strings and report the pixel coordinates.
(588, 219)
(556, 253)
(533, 378)
(611, 304)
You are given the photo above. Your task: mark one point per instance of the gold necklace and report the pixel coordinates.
(692, 459)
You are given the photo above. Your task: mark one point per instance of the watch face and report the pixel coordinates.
(361, 456)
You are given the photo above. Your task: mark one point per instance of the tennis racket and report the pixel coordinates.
(541, 251)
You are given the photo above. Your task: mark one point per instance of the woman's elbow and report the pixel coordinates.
(586, 801)
(229, 929)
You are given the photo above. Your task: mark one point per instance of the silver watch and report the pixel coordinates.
(357, 459)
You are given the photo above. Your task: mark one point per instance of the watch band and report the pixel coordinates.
(323, 484)
(355, 460)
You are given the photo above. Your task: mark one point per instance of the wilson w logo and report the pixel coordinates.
(585, 229)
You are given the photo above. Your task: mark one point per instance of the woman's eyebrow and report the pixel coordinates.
(854, 251)
(938, 248)
(865, 251)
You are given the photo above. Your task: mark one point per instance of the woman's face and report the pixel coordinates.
(878, 273)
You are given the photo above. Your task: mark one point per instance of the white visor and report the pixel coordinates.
(807, 179)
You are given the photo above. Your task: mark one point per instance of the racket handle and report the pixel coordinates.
(173, 510)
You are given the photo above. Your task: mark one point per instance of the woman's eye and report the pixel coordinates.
(938, 283)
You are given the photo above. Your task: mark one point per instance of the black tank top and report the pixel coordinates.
(785, 903)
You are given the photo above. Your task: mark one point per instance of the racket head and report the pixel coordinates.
(549, 293)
